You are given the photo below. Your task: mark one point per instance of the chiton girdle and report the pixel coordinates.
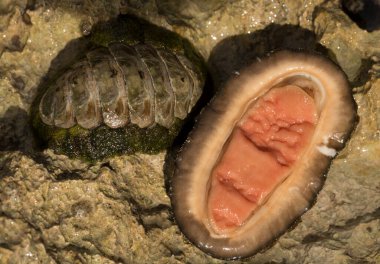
(201, 172)
(130, 91)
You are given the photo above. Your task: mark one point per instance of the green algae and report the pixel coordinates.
(102, 142)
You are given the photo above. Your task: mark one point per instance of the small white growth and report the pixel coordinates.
(325, 150)
(330, 152)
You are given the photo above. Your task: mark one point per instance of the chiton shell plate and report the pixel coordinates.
(226, 200)
(128, 87)
(120, 84)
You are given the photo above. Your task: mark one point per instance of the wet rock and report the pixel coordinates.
(15, 132)
(29, 251)
(346, 41)
(364, 13)
(63, 168)
(13, 29)
(188, 12)
(57, 210)
(12, 231)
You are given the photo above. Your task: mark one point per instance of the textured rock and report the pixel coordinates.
(57, 210)
(14, 27)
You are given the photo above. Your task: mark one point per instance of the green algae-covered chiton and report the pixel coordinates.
(129, 92)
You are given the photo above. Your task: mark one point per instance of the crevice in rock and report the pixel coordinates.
(107, 165)
(175, 253)
(79, 252)
(351, 223)
(312, 238)
(354, 260)
(365, 13)
(15, 131)
(138, 213)
(6, 246)
(59, 174)
(68, 176)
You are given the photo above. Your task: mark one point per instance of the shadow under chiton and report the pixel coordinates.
(129, 92)
(259, 151)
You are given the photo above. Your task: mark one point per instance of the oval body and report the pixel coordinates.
(119, 84)
(125, 94)
(259, 152)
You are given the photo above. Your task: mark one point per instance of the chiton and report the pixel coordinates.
(129, 92)
(259, 153)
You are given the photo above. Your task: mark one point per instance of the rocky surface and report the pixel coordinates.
(57, 210)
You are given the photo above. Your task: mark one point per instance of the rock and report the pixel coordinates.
(14, 27)
(57, 210)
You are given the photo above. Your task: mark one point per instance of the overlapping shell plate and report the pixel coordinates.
(129, 91)
(208, 192)
(121, 84)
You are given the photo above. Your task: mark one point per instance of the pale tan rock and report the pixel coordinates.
(57, 210)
